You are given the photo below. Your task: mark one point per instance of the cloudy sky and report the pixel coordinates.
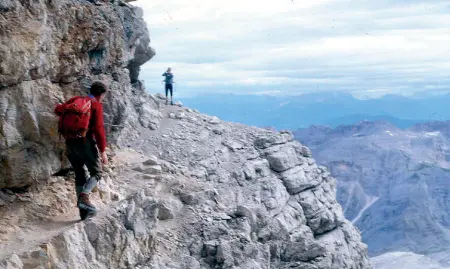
(366, 47)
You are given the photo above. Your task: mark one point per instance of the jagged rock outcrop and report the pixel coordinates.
(52, 50)
(210, 200)
(303, 225)
(215, 194)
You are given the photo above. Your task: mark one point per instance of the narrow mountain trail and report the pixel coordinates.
(33, 233)
(193, 184)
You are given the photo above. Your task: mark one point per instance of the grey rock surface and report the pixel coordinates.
(203, 208)
(184, 190)
(52, 51)
(248, 198)
(217, 218)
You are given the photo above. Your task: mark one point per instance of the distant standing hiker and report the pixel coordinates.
(169, 84)
(81, 124)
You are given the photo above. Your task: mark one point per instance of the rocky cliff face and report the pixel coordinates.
(214, 195)
(218, 195)
(51, 50)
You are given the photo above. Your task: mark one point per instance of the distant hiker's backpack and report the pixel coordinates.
(74, 121)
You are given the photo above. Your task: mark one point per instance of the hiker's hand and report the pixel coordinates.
(104, 158)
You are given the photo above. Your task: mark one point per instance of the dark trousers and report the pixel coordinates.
(82, 152)
(169, 87)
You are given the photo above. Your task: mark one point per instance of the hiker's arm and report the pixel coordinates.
(99, 128)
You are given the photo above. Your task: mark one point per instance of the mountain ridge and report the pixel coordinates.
(405, 170)
(184, 190)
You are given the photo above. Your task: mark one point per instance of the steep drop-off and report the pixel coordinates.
(392, 183)
(213, 195)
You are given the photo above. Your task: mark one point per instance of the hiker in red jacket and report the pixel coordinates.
(81, 124)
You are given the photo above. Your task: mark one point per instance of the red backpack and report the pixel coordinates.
(74, 121)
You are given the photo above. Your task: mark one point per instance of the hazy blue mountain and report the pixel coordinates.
(331, 109)
(393, 183)
(352, 119)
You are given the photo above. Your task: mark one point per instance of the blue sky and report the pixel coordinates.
(368, 48)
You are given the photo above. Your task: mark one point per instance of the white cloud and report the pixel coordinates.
(368, 48)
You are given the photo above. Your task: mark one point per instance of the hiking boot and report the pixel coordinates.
(84, 203)
(86, 214)
(167, 102)
(171, 102)
(83, 213)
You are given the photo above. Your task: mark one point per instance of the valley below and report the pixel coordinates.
(393, 184)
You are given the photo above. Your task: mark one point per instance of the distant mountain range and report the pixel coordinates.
(394, 184)
(329, 109)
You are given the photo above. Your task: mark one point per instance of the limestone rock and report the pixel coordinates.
(168, 208)
(283, 160)
(306, 152)
(13, 262)
(271, 139)
(266, 190)
(214, 120)
(180, 115)
(256, 169)
(218, 195)
(297, 180)
(319, 218)
(154, 169)
(151, 161)
(148, 169)
(51, 52)
(233, 145)
(160, 96)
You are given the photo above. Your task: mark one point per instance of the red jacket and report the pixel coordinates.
(96, 126)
